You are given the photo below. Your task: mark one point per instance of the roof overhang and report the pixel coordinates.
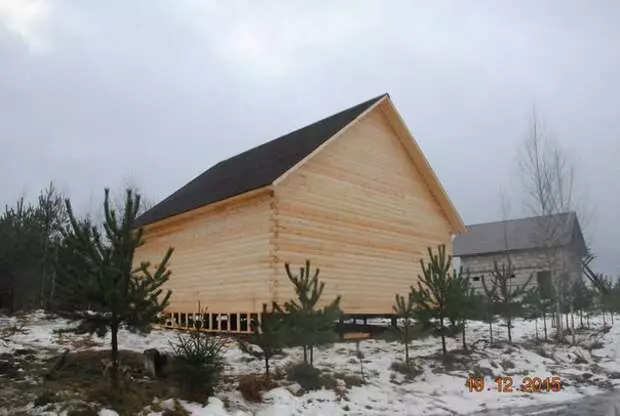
(424, 167)
(402, 132)
(163, 224)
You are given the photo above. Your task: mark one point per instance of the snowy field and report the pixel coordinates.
(591, 367)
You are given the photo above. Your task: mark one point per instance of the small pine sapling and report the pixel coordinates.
(198, 358)
(198, 362)
(404, 309)
(309, 325)
(487, 306)
(583, 298)
(269, 334)
(540, 304)
(534, 307)
(507, 294)
(432, 294)
(609, 298)
(461, 301)
(117, 293)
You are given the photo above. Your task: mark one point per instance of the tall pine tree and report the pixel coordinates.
(309, 325)
(102, 275)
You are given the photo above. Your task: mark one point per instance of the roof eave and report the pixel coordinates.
(185, 215)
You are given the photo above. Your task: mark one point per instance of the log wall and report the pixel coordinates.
(360, 210)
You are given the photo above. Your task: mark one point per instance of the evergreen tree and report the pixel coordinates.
(507, 294)
(29, 240)
(582, 297)
(486, 307)
(52, 218)
(20, 256)
(537, 306)
(198, 363)
(269, 334)
(102, 274)
(461, 301)
(432, 295)
(609, 297)
(404, 309)
(309, 325)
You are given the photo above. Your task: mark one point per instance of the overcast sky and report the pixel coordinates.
(153, 92)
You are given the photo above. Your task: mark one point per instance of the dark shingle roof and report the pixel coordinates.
(253, 169)
(519, 234)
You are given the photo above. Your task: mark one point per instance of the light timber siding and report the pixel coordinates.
(221, 257)
(360, 210)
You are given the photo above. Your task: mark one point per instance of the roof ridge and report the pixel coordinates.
(520, 233)
(521, 218)
(289, 132)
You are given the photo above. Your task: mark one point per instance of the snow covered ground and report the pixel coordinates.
(591, 367)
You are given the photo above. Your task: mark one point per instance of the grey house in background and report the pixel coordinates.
(536, 246)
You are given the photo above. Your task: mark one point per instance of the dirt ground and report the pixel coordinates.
(79, 386)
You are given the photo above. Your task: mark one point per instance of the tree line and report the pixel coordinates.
(31, 244)
(443, 300)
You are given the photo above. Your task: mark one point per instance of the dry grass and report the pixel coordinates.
(80, 387)
(409, 371)
(252, 386)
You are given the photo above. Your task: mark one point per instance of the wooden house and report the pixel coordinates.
(352, 193)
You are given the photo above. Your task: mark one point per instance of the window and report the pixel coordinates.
(476, 278)
(544, 284)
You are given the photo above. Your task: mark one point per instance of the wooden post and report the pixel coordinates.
(341, 328)
(393, 322)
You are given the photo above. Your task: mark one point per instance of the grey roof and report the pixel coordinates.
(520, 234)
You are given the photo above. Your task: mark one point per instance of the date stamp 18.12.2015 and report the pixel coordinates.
(507, 384)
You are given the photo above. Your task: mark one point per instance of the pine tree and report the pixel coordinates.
(582, 297)
(102, 275)
(20, 256)
(461, 301)
(536, 306)
(507, 295)
(404, 309)
(269, 334)
(52, 217)
(609, 297)
(432, 296)
(310, 326)
(486, 307)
